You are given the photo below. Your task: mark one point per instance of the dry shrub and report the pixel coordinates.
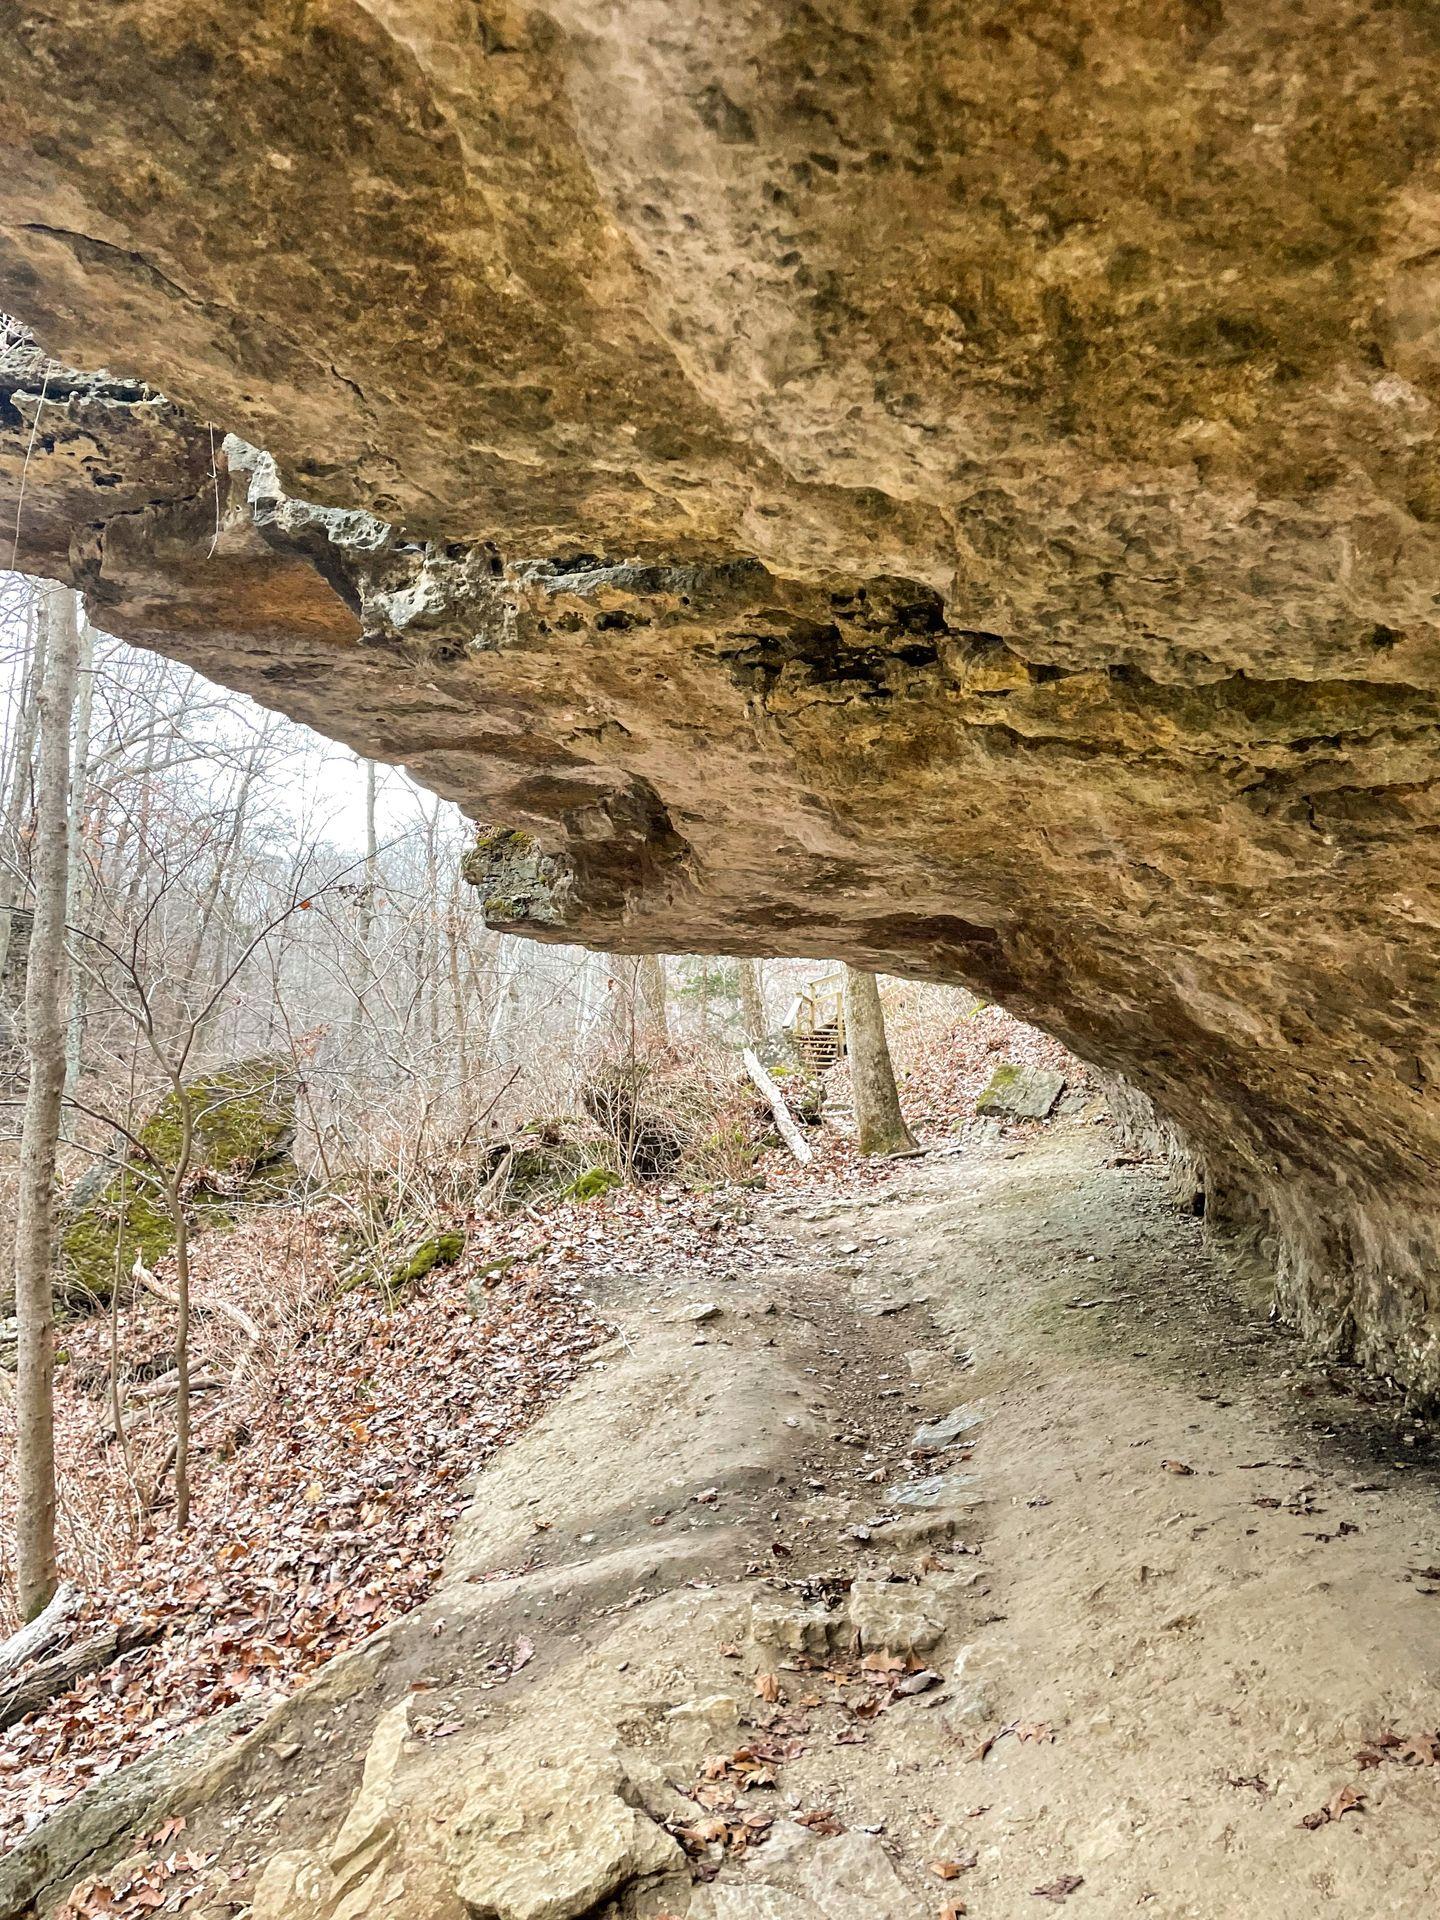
(666, 1111)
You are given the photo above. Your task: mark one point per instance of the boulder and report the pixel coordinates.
(1021, 1093)
(895, 1616)
(553, 1845)
(244, 1122)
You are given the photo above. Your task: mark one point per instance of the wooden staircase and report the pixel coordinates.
(815, 1023)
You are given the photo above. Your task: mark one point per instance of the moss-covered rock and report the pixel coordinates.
(515, 880)
(594, 1183)
(244, 1127)
(440, 1250)
(1016, 1092)
(542, 1161)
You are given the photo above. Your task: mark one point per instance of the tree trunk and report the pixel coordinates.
(36, 1571)
(13, 862)
(752, 1001)
(365, 920)
(784, 1119)
(652, 995)
(79, 797)
(879, 1122)
(182, 1328)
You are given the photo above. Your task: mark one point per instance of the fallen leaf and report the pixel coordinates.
(1060, 1889)
(1170, 1466)
(1346, 1800)
(767, 1687)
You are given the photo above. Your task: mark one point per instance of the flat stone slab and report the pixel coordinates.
(937, 1490)
(1022, 1093)
(947, 1430)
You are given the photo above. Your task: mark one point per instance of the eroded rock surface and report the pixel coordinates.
(949, 488)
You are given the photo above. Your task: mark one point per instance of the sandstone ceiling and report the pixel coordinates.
(952, 486)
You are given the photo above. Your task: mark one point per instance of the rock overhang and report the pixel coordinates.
(954, 489)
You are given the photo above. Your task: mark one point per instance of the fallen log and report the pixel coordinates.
(784, 1119)
(41, 1633)
(170, 1383)
(33, 1690)
(143, 1277)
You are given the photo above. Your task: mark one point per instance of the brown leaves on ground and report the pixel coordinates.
(328, 1477)
(726, 1828)
(1412, 1749)
(1040, 1732)
(1347, 1800)
(1058, 1890)
(153, 1880)
(1176, 1466)
(767, 1687)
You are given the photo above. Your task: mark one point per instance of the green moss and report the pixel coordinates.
(1002, 1081)
(501, 840)
(244, 1120)
(593, 1183)
(440, 1250)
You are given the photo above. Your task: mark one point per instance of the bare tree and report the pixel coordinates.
(36, 1570)
(752, 1000)
(652, 999)
(77, 802)
(879, 1122)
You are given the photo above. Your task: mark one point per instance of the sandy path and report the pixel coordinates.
(1210, 1648)
(1171, 1668)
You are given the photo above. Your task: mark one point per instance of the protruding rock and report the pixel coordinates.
(895, 1616)
(553, 1840)
(1021, 1093)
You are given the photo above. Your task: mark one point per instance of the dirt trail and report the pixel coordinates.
(1161, 1574)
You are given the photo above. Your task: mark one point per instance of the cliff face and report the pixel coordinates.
(952, 487)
